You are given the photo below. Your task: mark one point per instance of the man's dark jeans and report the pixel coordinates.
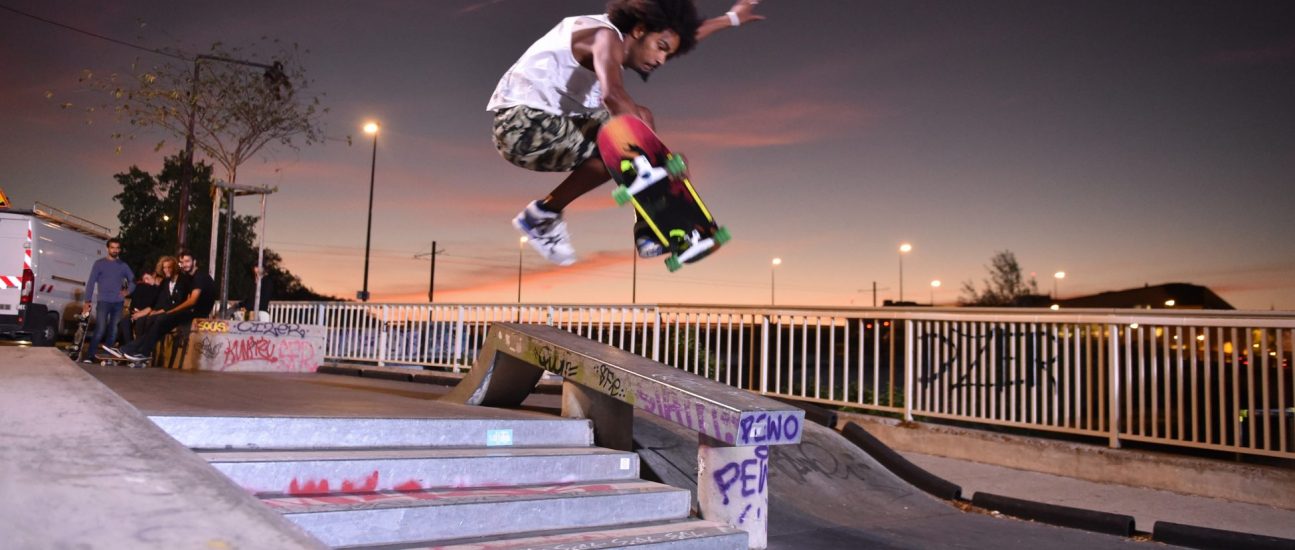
(106, 317)
(163, 324)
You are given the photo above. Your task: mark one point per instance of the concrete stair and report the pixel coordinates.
(445, 482)
(687, 534)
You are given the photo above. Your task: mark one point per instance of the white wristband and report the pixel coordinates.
(733, 20)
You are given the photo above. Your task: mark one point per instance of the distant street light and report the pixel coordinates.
(521, 244)
(1056, 277)
(776, 262)
(370, 128)
(904, 248)
(934, 285)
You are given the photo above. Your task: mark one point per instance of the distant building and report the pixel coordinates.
(1171, 295)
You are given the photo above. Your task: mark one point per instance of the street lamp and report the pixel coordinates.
(1056, 278)
(521, 244)
(776, 262)
(934, 285)
(904, 248)
(370, 128)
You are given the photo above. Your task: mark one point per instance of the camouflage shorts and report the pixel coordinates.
(536, 140)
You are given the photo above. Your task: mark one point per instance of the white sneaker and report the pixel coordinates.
(648, 247)
(547, 233)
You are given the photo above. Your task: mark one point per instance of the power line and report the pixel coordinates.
(93, 34)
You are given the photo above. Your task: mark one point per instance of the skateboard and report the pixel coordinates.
(656, 182)
(80, 337)
(106, 360)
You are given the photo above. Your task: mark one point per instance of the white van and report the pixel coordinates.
(45, 257)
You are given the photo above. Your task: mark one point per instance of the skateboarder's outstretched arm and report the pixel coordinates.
(743, 12)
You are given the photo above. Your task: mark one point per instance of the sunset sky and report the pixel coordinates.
(1123, 142)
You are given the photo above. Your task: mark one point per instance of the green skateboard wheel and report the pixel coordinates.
(673, 264)
(675, 165)
(621, 195)
(722, 236)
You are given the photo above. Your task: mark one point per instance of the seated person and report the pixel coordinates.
(141, 300)
(200, 296)
(171, 291)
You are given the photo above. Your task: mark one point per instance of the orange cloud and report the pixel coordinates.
(770, 122)
(501, 279)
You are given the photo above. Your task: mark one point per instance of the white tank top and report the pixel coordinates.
(548, 77)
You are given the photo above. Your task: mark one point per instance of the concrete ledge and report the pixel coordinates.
(514, 356)
(81, 468)
(1268, 485)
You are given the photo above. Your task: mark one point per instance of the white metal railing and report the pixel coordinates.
(1211, 380)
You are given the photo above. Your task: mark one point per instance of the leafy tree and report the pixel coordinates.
(148, 230)
(1005, 286)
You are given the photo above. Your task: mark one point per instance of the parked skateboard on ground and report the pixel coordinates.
(107, 360)
(79, 338)
(656, 182)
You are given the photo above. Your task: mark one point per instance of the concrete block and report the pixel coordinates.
(249, 346)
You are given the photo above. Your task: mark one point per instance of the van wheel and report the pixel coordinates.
(48, 333)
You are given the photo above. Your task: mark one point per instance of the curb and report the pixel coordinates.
(1206, 538)
(1064, 516)
(813, 413)
(912, 473)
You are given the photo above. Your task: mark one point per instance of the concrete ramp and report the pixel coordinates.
(826, 493)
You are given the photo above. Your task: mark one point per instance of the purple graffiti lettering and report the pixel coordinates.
(769, 428)
(723, 480)
(790, 428)
(650, 403)
(752, 473)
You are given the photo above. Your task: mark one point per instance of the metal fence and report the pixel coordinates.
(1211, 380)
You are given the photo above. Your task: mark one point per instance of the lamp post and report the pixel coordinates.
(934, 285)
(1056, 278)
(521, 245)
(904, 248)
(371, 129)
(772, 281)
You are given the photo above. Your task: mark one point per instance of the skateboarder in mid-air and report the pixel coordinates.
(549, 106)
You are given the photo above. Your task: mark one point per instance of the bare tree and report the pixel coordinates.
(1005, 286)
(236, 108)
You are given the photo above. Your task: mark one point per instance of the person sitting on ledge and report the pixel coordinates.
(198, 304)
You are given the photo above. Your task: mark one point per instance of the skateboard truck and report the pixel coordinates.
(697, 249)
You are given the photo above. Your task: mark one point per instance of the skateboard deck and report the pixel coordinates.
(110, 360)
(80, 337)
(657, 183)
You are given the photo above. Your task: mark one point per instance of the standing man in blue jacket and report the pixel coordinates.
(112, 281)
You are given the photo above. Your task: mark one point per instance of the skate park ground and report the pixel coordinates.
(824, 493)
(879, 503)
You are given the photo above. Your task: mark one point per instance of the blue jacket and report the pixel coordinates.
(109, 275)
